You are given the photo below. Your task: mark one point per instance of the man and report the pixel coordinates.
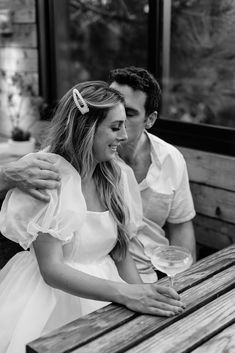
(159, 168)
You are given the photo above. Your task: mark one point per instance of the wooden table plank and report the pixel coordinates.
(144, 326)
(222, 342)
(82, 330)
(201, 325)
(88, 328)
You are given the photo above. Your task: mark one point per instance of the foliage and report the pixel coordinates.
(106, 34)
(23, 102)
(18, 134)
(202, 88)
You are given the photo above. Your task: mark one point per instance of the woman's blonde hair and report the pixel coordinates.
(72, 135)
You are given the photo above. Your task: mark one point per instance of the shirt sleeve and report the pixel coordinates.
(22, 217)
(182, 208)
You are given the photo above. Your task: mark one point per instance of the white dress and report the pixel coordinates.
(28, 306)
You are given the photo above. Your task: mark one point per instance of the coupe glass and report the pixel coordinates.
(170, 259)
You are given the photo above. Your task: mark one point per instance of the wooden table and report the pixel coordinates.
(207, 324)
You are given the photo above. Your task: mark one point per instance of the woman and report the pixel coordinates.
(78, 259)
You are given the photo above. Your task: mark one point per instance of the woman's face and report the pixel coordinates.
(109, 134)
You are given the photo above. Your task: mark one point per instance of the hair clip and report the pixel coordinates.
(78, 99)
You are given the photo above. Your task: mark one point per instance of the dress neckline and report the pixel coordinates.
(97, 212)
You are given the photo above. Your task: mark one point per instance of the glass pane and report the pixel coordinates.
(106, 34)
(199, 61)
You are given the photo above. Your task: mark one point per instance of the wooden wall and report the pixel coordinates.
(18, 54)
(212, 180)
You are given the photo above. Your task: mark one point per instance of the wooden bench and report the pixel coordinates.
(212, 180)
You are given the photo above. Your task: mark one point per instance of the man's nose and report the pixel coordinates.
(122, 134)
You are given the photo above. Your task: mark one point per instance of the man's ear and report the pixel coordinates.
(151, 120)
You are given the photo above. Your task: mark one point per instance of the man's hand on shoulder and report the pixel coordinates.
(33, 173)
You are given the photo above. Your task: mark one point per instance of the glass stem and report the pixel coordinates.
(171, 279)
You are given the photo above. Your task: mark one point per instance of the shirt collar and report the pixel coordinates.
(154, 151)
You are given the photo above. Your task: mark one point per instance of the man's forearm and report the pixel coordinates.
(182, 234)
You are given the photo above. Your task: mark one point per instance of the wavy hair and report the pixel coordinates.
(74, 142)
(140, 79)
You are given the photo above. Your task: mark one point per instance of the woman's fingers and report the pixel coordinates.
(157, 307)
(168, 304)
(168, 295)
(161, 312)
(154, 299)
(166, 299)
(167, 291)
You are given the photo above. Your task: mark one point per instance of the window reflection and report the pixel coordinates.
(199, 84)
(105, 34)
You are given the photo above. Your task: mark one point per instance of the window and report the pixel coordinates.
(186, 44)
(105, 34)
(197, 74)
(198, 62)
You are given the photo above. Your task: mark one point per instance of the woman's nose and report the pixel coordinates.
(122, 134)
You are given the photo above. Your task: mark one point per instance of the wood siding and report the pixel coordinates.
(212, 180)
(18, 55)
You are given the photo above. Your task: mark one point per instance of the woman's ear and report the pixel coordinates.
(151, 120)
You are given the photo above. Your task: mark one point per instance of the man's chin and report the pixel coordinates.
(121, 148)
(123, 151)
(123, 144)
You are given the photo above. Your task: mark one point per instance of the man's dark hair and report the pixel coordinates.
(139, 79)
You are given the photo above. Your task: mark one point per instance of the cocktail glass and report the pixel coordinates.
(171, 260)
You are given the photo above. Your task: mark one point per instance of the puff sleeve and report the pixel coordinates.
(22, 217)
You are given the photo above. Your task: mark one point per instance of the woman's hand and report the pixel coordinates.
(153, 299)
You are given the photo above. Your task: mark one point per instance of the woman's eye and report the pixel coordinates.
(115, 128)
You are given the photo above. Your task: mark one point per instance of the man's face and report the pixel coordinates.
(135, 111)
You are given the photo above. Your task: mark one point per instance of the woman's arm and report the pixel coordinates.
(59, 275)
(144, 298)
(127, 270)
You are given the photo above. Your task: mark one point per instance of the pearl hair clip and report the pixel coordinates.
(78, 99)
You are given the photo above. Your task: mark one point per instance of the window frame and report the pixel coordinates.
(53, 48)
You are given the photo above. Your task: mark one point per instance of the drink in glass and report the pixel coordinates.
(171, 260)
